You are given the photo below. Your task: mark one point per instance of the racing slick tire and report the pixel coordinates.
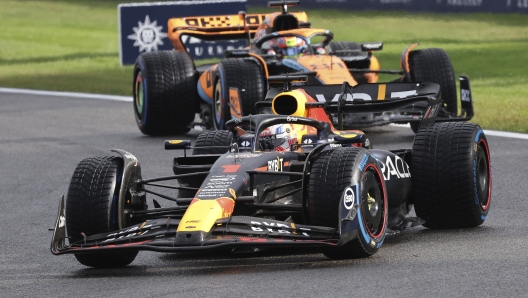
(90, 207)
(433, 65)
(164, 92)
(245, 75)
(209, 139)
(333, 176)
(451, 175)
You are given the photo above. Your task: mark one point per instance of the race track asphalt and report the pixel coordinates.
(42, 138)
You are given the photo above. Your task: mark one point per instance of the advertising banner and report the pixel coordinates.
(497, 6)
(143, 27)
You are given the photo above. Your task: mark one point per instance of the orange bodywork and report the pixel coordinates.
(372, 77)
(234, 100)
(405, 65)
(330, 69)
(220, 27)
(207, 82)
(262, 62)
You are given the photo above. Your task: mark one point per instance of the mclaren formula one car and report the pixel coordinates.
(286, 179)
(169, 89)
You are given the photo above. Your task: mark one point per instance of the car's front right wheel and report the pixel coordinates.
(91, 208)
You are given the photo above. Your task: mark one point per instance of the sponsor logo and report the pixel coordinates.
(403, 94)
(464, 2)
(62, 221)
(239, 53)
(372, 46)
(174, 142)
(220, 183)
(245, 144)
(349, 97)
(219, 187)
(466, 95)
(238, 120)
(243, 155)
(275, 165)
(397, 168)
(520, 3)
(348, 198)
(291, 119)
(395, 1)
(147, 36)
(274, 227)
(223, 179)
(307, 141)
(128, 233)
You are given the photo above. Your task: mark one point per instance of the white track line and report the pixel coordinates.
(505, 134)
(66, 94)
(494, 133)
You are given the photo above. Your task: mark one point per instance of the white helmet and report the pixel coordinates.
(278, 137)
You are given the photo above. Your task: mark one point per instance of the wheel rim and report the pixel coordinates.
(372, 203)
(139, 96)
(217, 105)
(483, 175)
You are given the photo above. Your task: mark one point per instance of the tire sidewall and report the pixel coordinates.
(482, 204)
(140, 73)
(224, 94)
(364, 163)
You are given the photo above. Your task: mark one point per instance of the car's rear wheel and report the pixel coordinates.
(348, 176)
(434, 66)
(165, 93)
(248, 78)
(91, 207)
(212, 141)
(451, 175)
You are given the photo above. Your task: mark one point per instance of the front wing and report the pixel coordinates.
(160, 235)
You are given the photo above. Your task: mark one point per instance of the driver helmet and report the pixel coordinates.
(278, 137)
(289, 46)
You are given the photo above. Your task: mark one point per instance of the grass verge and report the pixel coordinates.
(74, 47)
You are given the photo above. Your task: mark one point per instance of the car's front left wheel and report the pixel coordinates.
(348, 179)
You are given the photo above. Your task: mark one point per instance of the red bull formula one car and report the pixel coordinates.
(286, 179)
(169, 89)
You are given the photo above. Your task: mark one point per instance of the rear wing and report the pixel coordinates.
(379, 97)
(371, 98)
(221, 27)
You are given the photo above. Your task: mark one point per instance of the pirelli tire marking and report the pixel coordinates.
(375, 241)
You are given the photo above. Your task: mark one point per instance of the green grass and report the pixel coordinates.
(73, 46)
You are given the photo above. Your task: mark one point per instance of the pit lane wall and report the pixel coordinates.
(143, 27)
(442, 6)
